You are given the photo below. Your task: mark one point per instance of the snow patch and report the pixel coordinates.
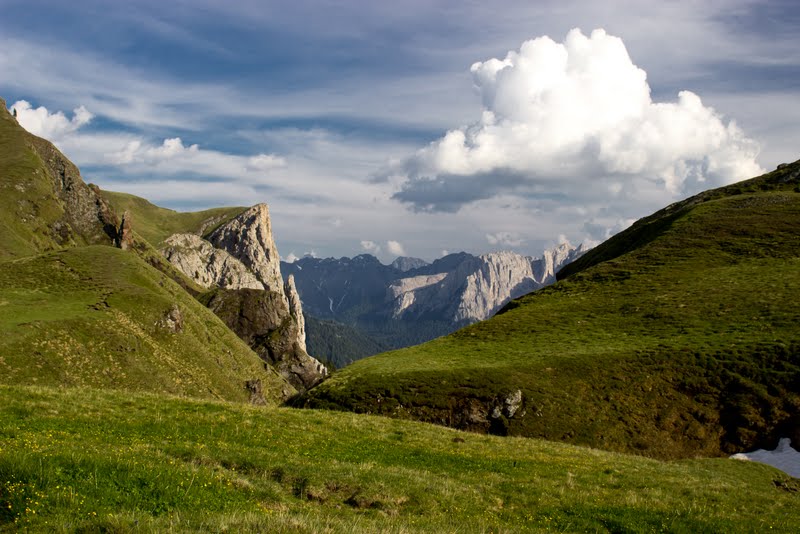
(784, 457)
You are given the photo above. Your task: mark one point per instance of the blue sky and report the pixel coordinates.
(390, 128)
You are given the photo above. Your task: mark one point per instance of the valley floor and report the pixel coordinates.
(88, 460)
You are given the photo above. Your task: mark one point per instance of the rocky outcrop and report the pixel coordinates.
(73, 212)
(206, 265)
(124, 238)
(296, 310)
(241, 263)
(89, 217)
(263, 320)
(172, 320)
(248, 238)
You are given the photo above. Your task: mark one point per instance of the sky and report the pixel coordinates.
(411, 128)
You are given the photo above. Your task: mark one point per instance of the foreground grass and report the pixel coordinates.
(91, 461)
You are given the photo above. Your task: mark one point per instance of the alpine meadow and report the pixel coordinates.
(356, 267)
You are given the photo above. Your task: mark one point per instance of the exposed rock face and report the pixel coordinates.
(206, 265)
(407, 307)
(546, 267)
(125, 234)
(256, 389)
(404, 263)
(84, 216)
(240, 260)
(88, 215)
(262, 319)
(496, 279)
(403, 291)
(478, 286)
(332, 288)
(172, 320)
(296, 309)
(248, 237)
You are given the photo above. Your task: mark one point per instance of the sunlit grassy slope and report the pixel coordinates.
(80, 460)
(155, 224)
(678, 338)
(96, 316)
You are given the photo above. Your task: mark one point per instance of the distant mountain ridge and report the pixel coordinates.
(405, 263)
(410, 301)
(478, 286)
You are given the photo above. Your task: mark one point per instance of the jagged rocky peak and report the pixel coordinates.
(406, 263)
(248, 237)
(296, 309)
(552, 260)
(208, 266)
(241, 260)
(474, 288)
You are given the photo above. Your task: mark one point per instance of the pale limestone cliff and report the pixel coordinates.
(206, 265)
(546, 267)
(403, 291)
(248, 237)
(296, 309)
(477, 287)
(498, 278)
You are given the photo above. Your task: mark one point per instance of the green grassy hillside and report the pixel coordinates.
(678, 338)
(75, 313)
(80, 460)
(98, 316)
(44, 204)
(155, 224)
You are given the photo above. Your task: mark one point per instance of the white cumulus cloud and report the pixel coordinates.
(395, 248)
(574, 122)
(39, 121)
